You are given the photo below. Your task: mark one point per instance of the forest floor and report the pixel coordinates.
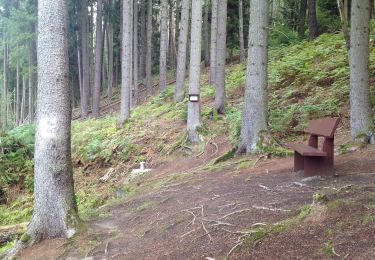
(190, 206)
(188, 209)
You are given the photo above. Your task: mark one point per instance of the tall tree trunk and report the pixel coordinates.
(143, 45)
(194, 117)
(5, 85)
(254, 118)
(163, 45)
(182, 45)
(343, 9)
(126, 62)
(104, 68)
(55, 209)
(214, 22)
(221, 51)
(110, 60)
(131, 20)
(177, 26)
(206, 34)
(135, 54)
(172, 44)
(79, 65)
(302, 19)
(23, 100)
(313, 21)
(84, 20)
(360, 104)
(242, 42)
(17, 111)
(276, 4)
(98, 60)
(149, 49)
(32, 82)
(91, 53)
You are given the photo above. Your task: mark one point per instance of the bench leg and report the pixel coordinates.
(317, 166)
(298, 162)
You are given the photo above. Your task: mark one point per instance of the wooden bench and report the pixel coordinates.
(309, 158)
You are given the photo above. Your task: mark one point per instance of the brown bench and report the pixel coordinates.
(309, 158)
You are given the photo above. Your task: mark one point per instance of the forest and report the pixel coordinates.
(172, 129)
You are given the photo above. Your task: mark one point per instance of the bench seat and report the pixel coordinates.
(309, 158)
(306, 150)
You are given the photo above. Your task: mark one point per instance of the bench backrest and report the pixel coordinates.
(323, 127)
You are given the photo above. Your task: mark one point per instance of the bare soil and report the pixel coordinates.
(202, 212)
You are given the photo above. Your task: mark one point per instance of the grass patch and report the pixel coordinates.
(340, 204)
(368, 219)
(328, 249)
(146, 205)
(163, 182)
(259, 233)
(20, 211)
(4, 248)
(291, 222)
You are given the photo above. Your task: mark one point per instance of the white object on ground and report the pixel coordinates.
(141, 169)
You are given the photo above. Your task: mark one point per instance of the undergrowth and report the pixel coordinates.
(306, 80)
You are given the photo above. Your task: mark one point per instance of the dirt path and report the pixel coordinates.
(198, 214)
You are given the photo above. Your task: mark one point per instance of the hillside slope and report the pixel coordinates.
(306, 80)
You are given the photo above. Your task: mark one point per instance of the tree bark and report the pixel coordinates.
(91, 54)
(360, 103)
(254, 118)
(343, 9)
(110, 59)
(126, 63)
(84, 20)
(163, 45)
(221, 51)
(275, 11)
(135, 54)
(177, 26)
(17, 111)
(206, 34)
(55, 210)
(131, 20)
(31, 83)
(302, 19)
(242, 42)
(149, 50)
(98, 60)
(214, 22)
(23, 100)
(172, 45)
(194, 113)
(143, 45)
(182, 45)
(5, 86)
(313, 22)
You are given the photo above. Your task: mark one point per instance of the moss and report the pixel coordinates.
(319, 198)
(25, 238)
(291, 222)
(225, 157)
(244, 164)
(259, 233)
(73, 220)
